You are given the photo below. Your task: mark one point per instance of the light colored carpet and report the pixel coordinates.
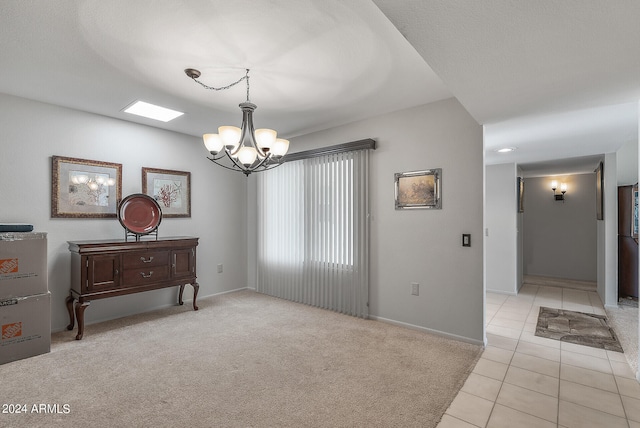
(243, 360)
(624, 320)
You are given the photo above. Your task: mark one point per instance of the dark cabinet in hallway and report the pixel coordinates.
(627, 243)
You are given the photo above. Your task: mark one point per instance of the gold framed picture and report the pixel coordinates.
(82, 188)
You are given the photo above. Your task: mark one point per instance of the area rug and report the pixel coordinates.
(577, 327)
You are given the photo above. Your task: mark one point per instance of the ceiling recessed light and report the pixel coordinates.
(152, 111)
(506, 150)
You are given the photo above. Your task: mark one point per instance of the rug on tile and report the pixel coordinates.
(577, 327)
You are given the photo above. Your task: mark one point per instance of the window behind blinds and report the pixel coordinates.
(313, 233)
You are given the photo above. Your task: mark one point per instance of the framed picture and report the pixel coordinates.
(418, 189)
(172, 190)
(600, 191)
(83, 188)
(520, 194)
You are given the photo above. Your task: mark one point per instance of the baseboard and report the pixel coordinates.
(561, 282)
(508, 293)
(428, 330)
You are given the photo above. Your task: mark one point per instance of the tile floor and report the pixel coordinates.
(523, 380)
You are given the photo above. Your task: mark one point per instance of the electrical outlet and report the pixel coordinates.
(415, 289)
(220, 268)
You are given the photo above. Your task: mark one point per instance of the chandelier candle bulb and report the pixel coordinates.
(230, 137)
(265, 138)
(280, 147)
(213, 143)
(247, 155)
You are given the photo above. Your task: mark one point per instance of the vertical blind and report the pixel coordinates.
(313, 232)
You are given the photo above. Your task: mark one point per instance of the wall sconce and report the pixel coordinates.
(563, 190)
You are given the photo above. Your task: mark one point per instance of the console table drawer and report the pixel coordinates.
(145, 276)
(146, 259)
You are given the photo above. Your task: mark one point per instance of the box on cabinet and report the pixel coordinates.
(23, 264)
(26, 327)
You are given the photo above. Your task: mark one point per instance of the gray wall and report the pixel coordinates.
(520, 243)
(422, 246)
(560, 239)
(608, 235)
(31, 132)
(502, 229)
(627, 164)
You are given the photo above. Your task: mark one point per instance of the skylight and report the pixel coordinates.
(152, 111)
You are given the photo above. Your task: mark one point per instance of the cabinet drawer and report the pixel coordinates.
(147, 275)
(146, 259)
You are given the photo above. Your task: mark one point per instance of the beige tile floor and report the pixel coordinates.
(523, 380)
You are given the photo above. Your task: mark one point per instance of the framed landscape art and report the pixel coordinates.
(82, 188)
(171, 189)
(418, 189)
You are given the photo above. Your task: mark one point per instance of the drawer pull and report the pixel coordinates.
(143, 260)
(147, 276)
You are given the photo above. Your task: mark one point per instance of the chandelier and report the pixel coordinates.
(243, 149)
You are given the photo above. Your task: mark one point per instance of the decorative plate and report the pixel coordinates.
(139, 214)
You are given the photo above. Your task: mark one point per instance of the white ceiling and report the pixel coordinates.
(554, 79)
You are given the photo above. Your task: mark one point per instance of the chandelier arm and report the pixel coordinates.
(245, 171)
(243, 133)
(214, 158)
(268, 167)
(252, 132)
(223, 165)
(262, 162)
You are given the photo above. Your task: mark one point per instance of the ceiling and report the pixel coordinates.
(555, 80)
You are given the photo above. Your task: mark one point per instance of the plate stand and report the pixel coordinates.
(136, 236)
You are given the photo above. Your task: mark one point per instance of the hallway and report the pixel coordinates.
(527, 381)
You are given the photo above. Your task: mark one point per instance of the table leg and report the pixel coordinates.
(80, 308)
(72, 320)
(196, 287)
(180, 302)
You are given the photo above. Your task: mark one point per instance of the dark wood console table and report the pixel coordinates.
(101, 269)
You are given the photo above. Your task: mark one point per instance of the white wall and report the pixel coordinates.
(520, 242)
(31, 132)
(607, 263)
(423, 246)
(638, 174)
(627, 164)
(560, 238)
(502, 225)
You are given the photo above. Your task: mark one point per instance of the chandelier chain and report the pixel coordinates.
(231, 85)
